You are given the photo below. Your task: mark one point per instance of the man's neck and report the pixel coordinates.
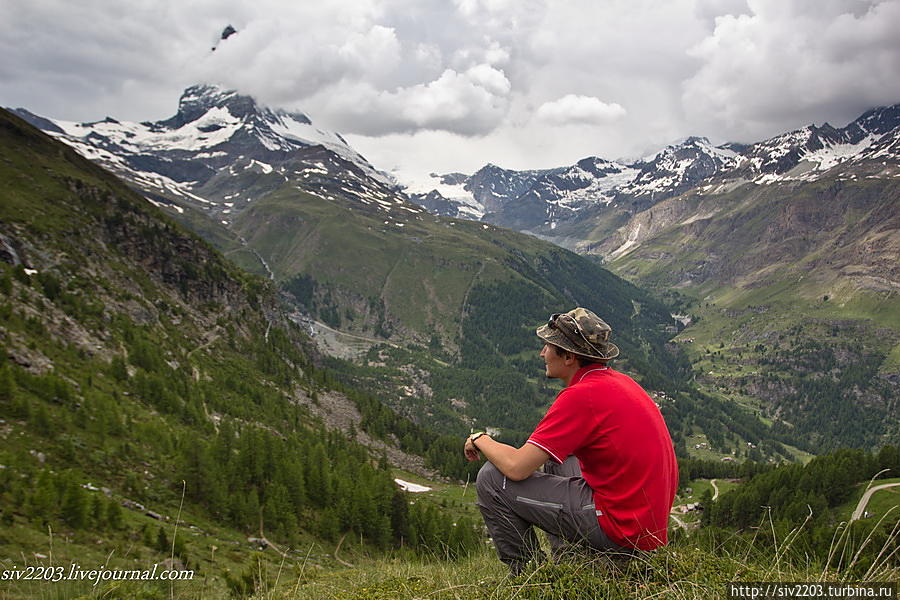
(579, 373)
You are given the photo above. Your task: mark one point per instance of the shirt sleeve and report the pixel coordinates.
(563, 429)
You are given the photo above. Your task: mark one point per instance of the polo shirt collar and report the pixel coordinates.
(583, 371)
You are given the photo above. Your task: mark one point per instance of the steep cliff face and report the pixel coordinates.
(80, 216)
(836, 232)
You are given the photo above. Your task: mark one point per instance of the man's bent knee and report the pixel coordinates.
(489, 478)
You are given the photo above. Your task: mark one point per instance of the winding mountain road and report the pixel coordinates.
(353, 335)
(858, 512)
(308, 322)
(712, 482)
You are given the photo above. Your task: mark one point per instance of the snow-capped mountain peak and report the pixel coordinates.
(217, 123)
(808, 152)
(219, 141)
(678, 167)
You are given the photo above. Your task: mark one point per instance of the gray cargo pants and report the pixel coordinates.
(559, 501)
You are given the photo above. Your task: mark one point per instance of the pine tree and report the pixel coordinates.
(162, 541)
(75, 508)
(44, 500)
(889, 458)
(99, 514)
(147, 536)
(253, 511)
(381, 531)
(118, 369)
(180, 549)
(328, 525)
(7, 384)
(41, 420)
(276, 509)
(113, 514)
(400, 517)
(317, 476)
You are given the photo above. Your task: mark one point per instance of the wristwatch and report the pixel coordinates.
(476, 435)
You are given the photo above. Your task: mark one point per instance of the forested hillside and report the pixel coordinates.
(146, 374)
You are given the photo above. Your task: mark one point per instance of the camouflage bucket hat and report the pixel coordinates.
(580, 331)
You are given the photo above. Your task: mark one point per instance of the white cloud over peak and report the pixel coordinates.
(370, 75)
(473, 102)
(579, 110)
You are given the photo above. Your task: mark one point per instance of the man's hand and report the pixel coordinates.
(471, 451)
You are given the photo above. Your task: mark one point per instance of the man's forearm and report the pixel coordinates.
(516, 463)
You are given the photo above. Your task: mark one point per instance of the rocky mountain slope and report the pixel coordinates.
(794, 275)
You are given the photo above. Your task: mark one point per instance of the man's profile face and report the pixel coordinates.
(555, 364)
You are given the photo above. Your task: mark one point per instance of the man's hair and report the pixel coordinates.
(583, 361)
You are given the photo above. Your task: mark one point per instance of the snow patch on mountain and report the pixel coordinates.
(214, 127)
(597, 185)
(264, 167)
(450, 188)
(631, 241)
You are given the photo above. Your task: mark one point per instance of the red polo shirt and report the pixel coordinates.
(620, 439)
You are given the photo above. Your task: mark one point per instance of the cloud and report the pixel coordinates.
(467, 103)
(470, 103)
(786, 64)
(274, 59)
(709, 10)
(374, 74)
(498, 77)
(579, 110)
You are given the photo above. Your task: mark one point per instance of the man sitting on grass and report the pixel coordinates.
(610, 473)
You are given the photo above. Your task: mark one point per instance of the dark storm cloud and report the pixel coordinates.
(786, 64)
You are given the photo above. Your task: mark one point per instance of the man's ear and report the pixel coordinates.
(570, 358)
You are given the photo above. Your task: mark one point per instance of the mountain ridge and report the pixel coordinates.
(546, 207)
(148, 383)
(213, 129)
(785, 248)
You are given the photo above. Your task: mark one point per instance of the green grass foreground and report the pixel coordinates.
(681, 571)
(693, 567)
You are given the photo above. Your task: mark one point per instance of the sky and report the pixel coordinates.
(422, 86)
